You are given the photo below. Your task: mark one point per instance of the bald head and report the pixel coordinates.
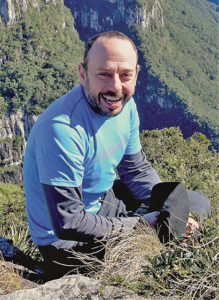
(111, 49)
(106, 36)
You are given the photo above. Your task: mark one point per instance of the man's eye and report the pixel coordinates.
(127, 75)
(104, 74)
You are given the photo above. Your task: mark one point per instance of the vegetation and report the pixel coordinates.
(183, 56)
(184, 271)
(9, 169)
(13, 218)
(138, 260)
(188, 271)
(17, 143)
(148, 3)
(12, 207)
(185, 160)
(39, 58)
(9, 279)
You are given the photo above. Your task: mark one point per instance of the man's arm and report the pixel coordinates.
(72, 222)
(138, 175)
(134, 169)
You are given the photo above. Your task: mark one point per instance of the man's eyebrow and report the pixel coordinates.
(108, 69)
(103, 69)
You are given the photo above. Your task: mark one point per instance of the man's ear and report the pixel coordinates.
(138, 68)
(82, 73)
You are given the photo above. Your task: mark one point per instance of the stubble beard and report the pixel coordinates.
(97, 100)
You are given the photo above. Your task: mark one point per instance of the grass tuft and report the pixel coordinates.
(20, 238)
(10, 280)
(126, 255)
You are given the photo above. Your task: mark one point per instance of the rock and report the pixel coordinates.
(75, 287)
(7, 11)
(14, 131)
(11, 11)
(93, 17)
(18, 123)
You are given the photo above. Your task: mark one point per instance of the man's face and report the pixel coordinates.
(111, 74)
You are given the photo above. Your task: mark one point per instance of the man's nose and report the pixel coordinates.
(116, 84)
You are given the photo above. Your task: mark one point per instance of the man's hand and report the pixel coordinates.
(191, 226)
(152, 218)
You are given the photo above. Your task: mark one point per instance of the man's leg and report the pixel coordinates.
(122, 192)
(172, 199)
(64, 257)
(119, 202)
(68, 257)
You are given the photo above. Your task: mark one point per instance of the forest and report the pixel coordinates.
(39, 58)
(182, 57)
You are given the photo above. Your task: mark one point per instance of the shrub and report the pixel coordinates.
(189, 271)
(187, 160)
(12, 207)
(13, 219)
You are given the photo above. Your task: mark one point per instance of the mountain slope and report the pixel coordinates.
(39, 56)
(177, 41)
(183, 56)
(40, 49)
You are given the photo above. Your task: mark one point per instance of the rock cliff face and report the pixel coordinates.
(152, 99)
(11, 10)
(7, 11)
(92, 17)
(14, 130)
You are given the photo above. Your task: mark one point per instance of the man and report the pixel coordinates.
(72, 196)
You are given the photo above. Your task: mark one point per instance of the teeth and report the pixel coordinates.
(111, 100)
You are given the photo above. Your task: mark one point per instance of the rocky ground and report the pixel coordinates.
(75, 287)
(72, 287)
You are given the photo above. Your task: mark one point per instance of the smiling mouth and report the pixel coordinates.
(111, 100)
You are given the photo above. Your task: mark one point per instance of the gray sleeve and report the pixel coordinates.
(138, 175)
(71, 221)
